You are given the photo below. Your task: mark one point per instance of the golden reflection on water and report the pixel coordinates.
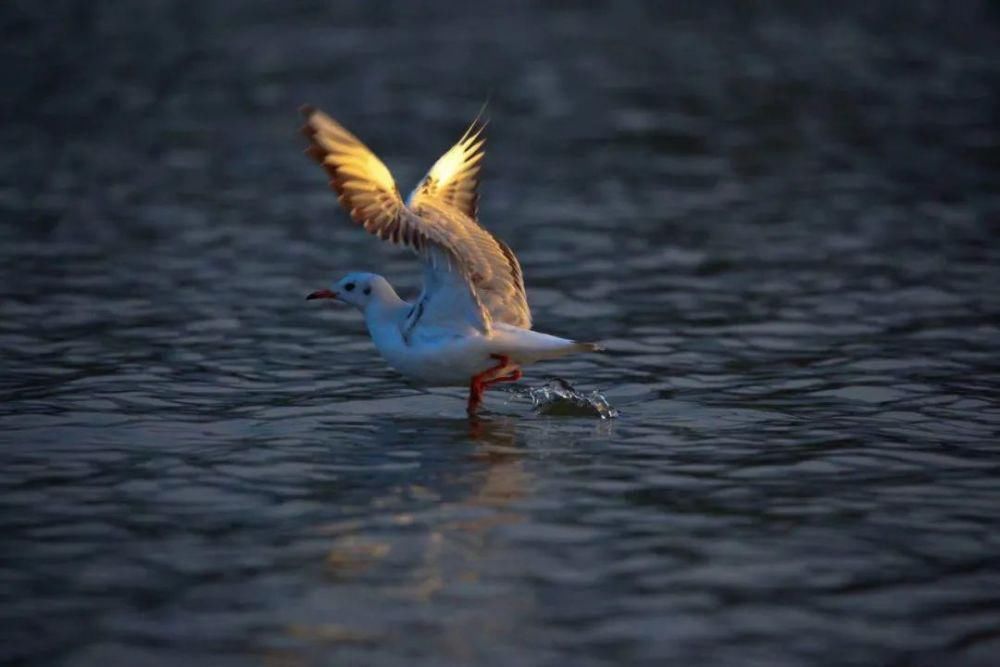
(454, 549)
(464, 542)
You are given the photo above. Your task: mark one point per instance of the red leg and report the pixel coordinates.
(478, 383)
(513, 376)
(475, 395)
(504, 360)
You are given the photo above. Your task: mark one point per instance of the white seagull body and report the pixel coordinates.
(471, 323)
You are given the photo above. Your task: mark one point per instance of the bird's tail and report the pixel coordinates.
(525, 346)
(587, 347)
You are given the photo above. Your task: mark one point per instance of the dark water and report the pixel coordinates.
(782, 223)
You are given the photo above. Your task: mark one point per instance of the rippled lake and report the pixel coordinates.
(781, 223)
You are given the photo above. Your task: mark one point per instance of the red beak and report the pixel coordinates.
(322, 294)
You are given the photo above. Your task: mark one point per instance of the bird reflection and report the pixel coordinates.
(421, 539)
(496, 445)
(436, 530)
(495, 438)
(497, 479)
(457, 548)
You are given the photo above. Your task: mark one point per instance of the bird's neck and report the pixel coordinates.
(385, 308)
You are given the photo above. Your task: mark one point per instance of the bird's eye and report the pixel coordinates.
(349, 287)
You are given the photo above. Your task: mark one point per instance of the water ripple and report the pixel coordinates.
(781, 226)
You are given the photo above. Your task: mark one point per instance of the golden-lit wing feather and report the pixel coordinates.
(454, 178)
(364, 185)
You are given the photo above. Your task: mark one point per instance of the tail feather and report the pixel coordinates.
(587, 347)
(525, 346)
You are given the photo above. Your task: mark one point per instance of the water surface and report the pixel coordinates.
(782, 224)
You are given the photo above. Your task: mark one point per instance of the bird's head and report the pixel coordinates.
(357, 289)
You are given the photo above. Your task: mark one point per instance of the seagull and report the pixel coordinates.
(471, 323)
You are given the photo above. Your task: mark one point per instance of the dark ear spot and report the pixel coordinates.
(368, 290)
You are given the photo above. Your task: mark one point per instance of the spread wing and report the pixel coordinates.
(490, 266)
(454, 179)
(469, 274)
(450, 192)
(363, 184)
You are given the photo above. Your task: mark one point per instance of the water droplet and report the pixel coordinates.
(559, 397)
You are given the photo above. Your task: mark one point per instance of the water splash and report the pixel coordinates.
(559, 397)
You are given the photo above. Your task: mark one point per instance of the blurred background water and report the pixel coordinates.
(781, 221)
